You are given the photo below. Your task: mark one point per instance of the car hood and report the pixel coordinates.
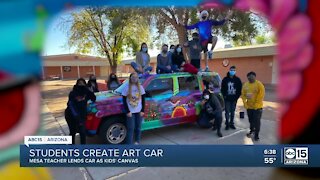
(106, 96)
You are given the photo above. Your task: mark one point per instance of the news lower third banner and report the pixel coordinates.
(170, 155)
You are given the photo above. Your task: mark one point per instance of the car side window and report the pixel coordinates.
(160, 87)
(188, 83)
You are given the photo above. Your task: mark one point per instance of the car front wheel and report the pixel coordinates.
(113, 132)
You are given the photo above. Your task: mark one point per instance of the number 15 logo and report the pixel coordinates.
(302, 153)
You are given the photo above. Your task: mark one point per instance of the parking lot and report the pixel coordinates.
(55, 94)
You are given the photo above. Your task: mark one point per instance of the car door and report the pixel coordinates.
(189, 95)
(158, 108)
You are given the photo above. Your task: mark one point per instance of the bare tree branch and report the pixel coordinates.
(186, 17)
(172, 14)
(164, 15)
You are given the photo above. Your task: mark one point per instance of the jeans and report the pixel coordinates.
(135, 66)
(175, 68)
(230, 107)
(134, 128)
(75, 126)
(255, 120)
(205, 118)
(162, 70)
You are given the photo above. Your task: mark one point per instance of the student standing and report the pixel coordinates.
(231, 90)
(134, 102)
(194, 50)
(92, 84)
(252, 95)
(76, 112)
(113, 82)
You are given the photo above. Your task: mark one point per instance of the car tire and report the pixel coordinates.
(113, 131)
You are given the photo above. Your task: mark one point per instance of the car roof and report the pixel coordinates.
(184, 74)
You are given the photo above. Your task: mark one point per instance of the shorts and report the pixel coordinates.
(195, 63)
(204, 44)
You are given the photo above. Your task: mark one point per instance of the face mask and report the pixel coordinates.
(113, 77)
(232, 73)
(134, 80)
(172, 50)
(204, 17)
(206, 97)
(251, 80)
(144, 49)
(164, 51)
(178, 49)
(211, 86)
(196, 38)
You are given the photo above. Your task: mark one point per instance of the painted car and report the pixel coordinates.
(171, 99)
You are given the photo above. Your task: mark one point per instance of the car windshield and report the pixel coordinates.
(124, 84)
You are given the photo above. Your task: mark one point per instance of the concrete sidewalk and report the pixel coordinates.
(179, 135)
(52, 127)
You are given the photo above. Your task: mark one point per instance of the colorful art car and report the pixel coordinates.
(171, 99)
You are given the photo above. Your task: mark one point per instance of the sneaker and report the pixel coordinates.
(219, 134)
(227, 128)
(249, 134)
(256, 138)
(232, 127)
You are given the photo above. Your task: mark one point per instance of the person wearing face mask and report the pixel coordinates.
(204, 28)
(92, 84)
(76, 111)
(164, 61)
(231, 88)
(252, 95)
(194, 50)
(142, 64)
(211, 109)
(171, 51)
(134, 101)
(113, 82)
(178, 60)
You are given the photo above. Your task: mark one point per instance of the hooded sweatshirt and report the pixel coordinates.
(78, 99)
(231, 88)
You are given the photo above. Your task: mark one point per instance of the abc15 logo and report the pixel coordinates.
(300, 153)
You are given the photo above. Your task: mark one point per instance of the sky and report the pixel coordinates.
(56, 38)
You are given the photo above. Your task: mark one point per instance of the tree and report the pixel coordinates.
(240, 29)
(261, 39)
(108, 32)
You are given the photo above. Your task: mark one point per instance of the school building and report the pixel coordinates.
(72, 66)
(258, 58)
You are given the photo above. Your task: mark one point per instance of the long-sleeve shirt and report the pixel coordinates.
(253, 95)
(231, 88)
(162, 61)
(204, 28)
(77, 102)
(143, 59)
(177, 59)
